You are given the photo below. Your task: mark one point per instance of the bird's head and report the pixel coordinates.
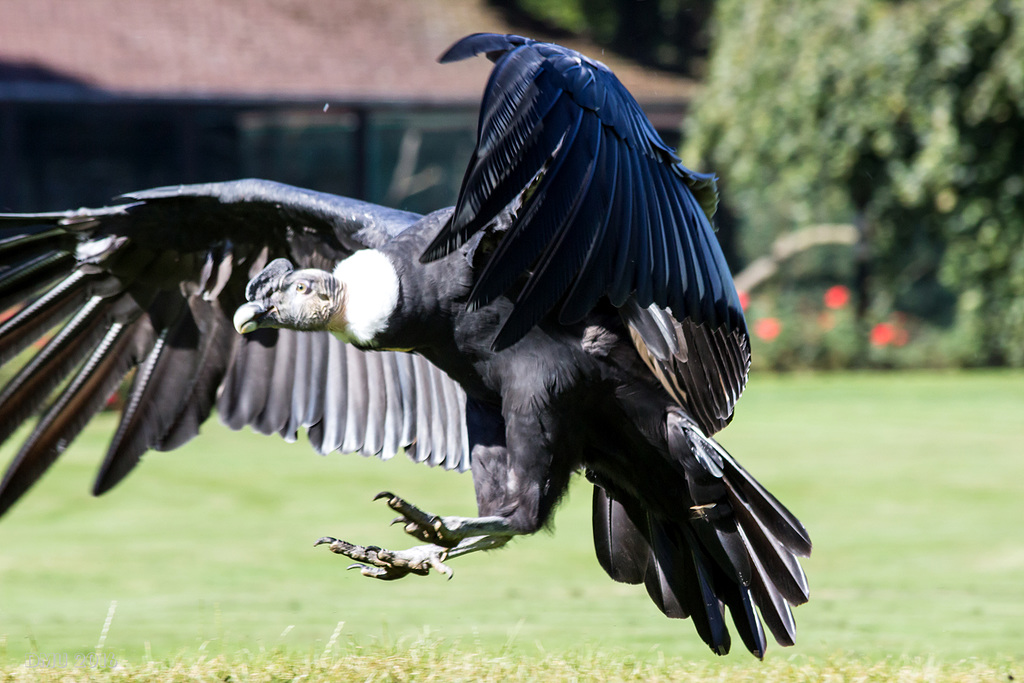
(280, 296)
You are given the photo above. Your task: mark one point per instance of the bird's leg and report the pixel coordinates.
(446, 538)
(515, 494)
(447, 531)
(388, 565)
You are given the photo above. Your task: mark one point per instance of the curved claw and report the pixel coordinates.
(419, 524)
(441, 567)
(381, 563)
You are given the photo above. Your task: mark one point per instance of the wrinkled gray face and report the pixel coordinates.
(280, 296)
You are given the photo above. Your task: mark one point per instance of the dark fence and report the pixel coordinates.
(68, 147)
(65, 153)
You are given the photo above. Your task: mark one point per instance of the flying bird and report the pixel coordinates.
(572, 312)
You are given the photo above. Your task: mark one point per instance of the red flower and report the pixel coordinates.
(767, 328)
(744, 299)
(883, 334)
(837, 296)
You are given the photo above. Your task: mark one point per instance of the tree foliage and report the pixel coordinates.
(904, 117)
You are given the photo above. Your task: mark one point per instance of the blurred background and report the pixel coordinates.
(98, 98)
(871, 153)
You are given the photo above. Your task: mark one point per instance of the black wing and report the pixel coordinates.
(146, 290)
(703, 368)
(602, 208)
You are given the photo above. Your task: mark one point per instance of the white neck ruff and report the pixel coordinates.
(370, 286)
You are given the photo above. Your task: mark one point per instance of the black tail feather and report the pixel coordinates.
(729, 543)
(661, 591)
(740, 602)
(774, 606)
(778, 561)
(705, 606)
(621, 548)
(777, 519)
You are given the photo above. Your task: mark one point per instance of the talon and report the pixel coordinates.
(419, 524)
(440, 534)
(384, 573)
(437, 564)
(338, 545)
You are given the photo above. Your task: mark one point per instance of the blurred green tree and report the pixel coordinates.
(903, 118)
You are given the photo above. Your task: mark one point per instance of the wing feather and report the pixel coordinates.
(149, 285)
(30, 388)
(438, 411)
(394, 394)
(328, 434)
(592, 146)
(100, 374)
(703, 369)
(274, 417)
(158, 393)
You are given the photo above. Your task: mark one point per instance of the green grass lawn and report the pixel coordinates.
(912, 487)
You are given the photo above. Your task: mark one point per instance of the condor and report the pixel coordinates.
(571, 313)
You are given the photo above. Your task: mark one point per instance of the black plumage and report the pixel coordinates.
(572, 312)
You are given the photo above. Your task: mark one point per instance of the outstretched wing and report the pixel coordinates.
(602, 208)
(145, 290)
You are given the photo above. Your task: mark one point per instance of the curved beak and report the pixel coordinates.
(249, 315)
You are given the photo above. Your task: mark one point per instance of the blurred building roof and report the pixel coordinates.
(348, 49)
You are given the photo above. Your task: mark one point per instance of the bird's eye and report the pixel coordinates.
(301, 287)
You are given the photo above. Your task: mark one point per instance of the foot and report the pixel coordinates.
(417, 523)
(388, 565)
(446, 538)
(447, 532)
